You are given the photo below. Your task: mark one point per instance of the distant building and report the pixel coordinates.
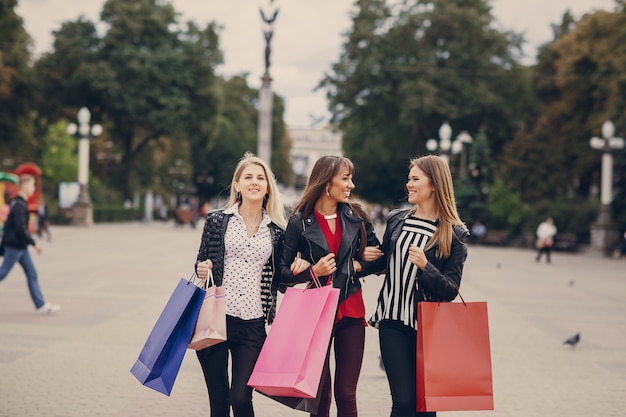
(308, 145)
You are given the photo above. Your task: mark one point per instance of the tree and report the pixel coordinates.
(235, 134)
(146, 78)
(17, 93)
(402, 74)
(580, 81)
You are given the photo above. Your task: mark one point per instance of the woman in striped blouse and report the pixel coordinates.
(424, 252)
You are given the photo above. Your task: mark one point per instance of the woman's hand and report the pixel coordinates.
(371, 253)
(202, 269)
(325, 266)
(299, 265)
(417, 257)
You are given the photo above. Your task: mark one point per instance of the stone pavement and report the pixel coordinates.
(113, 280)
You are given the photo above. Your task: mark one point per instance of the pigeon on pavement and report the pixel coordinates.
(573, 341)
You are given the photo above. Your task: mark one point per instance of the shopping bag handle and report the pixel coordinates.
(458, 292)
(456, 287)
(203, 282)
(314, 279)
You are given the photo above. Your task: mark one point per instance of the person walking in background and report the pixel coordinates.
(545, 239)
(424, 251)
(43, 221)
(332, 234)
(15, 242)
(620, 250)
(478, 232)
(240, 244)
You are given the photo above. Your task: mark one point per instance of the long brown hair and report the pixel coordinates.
(325, 168)
(438, 171)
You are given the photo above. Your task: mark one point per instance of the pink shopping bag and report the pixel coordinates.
(211, 325)
(292, 358)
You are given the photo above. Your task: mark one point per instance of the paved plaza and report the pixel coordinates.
(113, 280)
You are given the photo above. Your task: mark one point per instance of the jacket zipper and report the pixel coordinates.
(269, 310)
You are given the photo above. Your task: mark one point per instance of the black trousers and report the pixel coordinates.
(349, 343)
(544, 249)
(398, 345)
(244, 341)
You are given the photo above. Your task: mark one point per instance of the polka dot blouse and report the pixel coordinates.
(243, 264)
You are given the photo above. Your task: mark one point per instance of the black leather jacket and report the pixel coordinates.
(212, 247)
(305, 235)
(15, 234)
(442, 277)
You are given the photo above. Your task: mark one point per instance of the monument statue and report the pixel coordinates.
(268, 33)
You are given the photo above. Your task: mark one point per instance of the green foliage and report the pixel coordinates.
(235, 134)
(401, 75)
(147, 78)
(17, 92)
(112, 214)
(59, 159)
(579, 79)
(507, 209)
(571, 215)
(237, 127)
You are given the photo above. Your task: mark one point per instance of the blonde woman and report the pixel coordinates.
(424, 252)
(240, 244)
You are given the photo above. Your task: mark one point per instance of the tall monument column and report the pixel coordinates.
(265, 94)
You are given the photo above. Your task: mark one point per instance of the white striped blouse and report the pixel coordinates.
(398, 297)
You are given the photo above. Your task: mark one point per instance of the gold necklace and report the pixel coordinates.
(250, 224)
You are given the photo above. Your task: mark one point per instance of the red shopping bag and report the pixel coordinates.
(453, 357)
(293, 355)
(211, 325)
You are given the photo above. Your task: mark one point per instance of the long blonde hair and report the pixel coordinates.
(438, 171)
(273, 202)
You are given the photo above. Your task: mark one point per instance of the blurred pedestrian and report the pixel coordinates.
(331, 234)
(240, 244)
(424, 252)
(545, 239)
(43, 221)
(478, 232)
(620, 250)
(15, 242)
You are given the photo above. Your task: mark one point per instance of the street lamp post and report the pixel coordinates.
(444, 144)
(447, 147)
(603, 231)
(82, 211)
(458, 147)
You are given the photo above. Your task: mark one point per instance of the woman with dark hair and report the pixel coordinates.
(424, 252)
(329, 234)
(241, 244)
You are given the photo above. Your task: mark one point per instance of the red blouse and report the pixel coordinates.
(353, 306)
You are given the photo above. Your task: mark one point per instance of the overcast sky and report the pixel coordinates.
(307, 36)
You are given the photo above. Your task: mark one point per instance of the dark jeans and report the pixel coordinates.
(22, 256)
(244, 341)
(398, 346)
(349, 335)
(544, 249)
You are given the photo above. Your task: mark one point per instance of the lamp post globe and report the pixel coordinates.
(431, 145)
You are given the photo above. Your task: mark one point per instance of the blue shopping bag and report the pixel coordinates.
(162, 354)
